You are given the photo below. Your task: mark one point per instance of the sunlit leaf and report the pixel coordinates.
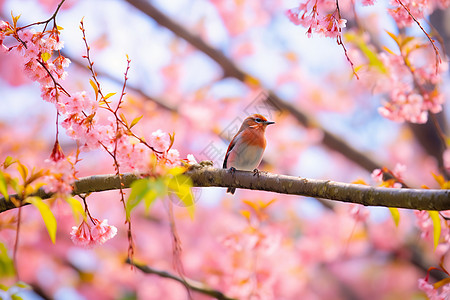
(108, 96)
(45, 56)
(394, 37)
(371, 56)
(135, 121)
(3, 187)
(436, 226)
(177, 170)
(245, 213)
(441, 283)
(23, 170)
(157, 189)
(388, 50)
(47, 215)
(15, 19)
(6, 263)
(360, 181)
(35, 175)
(251, 204)
(395, 215)
(16, 297)
(181, 186)
(22, 285)
(441, 181)
(265, 205)
(77, 209)
(95, 87)
(138, 190)
(8, 161)
(122, 117)
(252, 81)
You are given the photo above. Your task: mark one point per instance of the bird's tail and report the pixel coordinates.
(231, 190)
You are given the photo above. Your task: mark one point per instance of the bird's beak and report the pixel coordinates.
(268, 122)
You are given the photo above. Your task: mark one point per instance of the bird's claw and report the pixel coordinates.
(256, 172)
(232, 170)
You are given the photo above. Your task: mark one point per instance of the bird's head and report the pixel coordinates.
(256, 121)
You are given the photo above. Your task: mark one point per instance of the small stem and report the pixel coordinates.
(438, 57)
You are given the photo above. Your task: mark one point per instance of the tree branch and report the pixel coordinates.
(191, 284)
(204, 175)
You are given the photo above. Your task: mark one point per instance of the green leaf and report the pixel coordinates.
(3, 187)
(22, 285)
(138, 190)
(371, 56)
(45, 56)
(436, 226)
(181, 186)
(47, 215)
(16, 297)
(395, 215)
(8, 161)
(157, 189)
(77, 209)
(6, 263)
(134, 122)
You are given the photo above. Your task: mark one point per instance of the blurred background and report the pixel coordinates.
(198, 68)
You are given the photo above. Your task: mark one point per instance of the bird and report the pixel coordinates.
(246, 149)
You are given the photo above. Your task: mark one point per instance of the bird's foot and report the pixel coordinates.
(232, 170)
(256, 172)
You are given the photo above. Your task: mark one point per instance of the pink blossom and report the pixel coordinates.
(81, 235)
(292, 14)
(173, 158)
(316, 18)
(160, 140)
(399, 171)
(377, 175)
(359, 212)
(61, 176)
(88, 237)
(191, 159)
(431, 292)
(424, 223)
(446, 158)
(102, 232)
(367, 2)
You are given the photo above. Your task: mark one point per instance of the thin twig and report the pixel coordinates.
(189, 283)
(436, 50)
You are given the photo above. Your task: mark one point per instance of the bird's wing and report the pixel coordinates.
(230, 147)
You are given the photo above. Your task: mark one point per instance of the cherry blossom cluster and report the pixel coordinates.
(37, 50)
(417, 8)
(87, 237)
(397, 174)
(425, 224)
(320, 17)
(61, 176)
(432, 292)
(413, 90)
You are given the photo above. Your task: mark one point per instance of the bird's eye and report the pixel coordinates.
(258, 120)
